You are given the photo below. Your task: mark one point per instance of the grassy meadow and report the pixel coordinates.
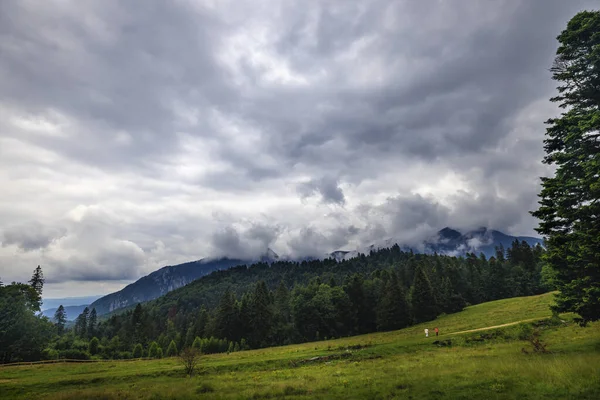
(466, 362)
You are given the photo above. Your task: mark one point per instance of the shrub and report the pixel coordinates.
(205, 388)
(93, 346)
(50, 354)
(159, 353)
(189, 358)
(74, 354)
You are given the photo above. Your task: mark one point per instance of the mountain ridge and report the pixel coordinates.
(447, 241)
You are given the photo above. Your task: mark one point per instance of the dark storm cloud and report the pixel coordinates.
(327, 187)
(155, 116)
(112, 67)
(31, 236)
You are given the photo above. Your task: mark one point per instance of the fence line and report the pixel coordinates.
(70, 360)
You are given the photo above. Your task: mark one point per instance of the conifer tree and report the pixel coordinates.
(422, 297)
(226, 318)
(138, 351)
(153, 350)
(261, 316)
(82, 322)
(393, 311)
(197, 344)
(60, 316)
(569, 209)
(37, 283)
(91, 326)
(172, 349)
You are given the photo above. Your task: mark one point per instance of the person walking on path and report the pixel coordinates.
(426, 332)
(437, 331)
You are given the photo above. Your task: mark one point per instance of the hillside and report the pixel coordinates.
(159, 283)
(447, 241)
(403, 364)
(289, 302)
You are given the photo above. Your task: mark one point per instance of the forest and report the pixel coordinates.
(263, 305)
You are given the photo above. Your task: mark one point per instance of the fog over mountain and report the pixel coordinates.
(135, 135)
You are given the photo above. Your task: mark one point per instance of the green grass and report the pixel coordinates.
(402, 364)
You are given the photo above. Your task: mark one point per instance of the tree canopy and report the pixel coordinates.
(569, 209)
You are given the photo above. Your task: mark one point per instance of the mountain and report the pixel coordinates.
(53, 303)
(449, 241)
(167, 279)
(483, 240)
(72, 311)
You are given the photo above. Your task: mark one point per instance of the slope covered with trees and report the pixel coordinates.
(289, 302)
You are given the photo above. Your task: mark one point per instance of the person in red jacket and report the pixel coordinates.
(436, 331)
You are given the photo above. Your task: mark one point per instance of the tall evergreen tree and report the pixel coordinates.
(37, 283)
(422, 298)
(227, 316)
(261, 316)
(356, 293)
(60, 316)
(92, 320)
(393, 311)
(81, 323)
(569, 209)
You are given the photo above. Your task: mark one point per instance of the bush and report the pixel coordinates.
(74, 354)
(138, 351)
(93, 346)
(50, 354)
(189, 358)
(205, 388)
(159, 353)
(123, 355)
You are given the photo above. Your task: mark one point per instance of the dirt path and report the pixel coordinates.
(495, 326)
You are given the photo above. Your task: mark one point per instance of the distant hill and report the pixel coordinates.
(49, 303)
(72, 311)
(167, 279)
(451, 242)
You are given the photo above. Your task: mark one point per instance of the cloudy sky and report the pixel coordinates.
(139, 134)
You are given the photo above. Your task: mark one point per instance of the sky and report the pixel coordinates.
(135, 135)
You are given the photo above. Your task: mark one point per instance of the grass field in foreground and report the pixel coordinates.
(400, 364)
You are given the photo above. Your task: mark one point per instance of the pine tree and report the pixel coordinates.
(189, 336)
(569, 209)
(92, 319)
(226, 318)
(393, 311)
(138, 351)
(261, 316)
(60, 316)
(82, 322)
(356, 294)
(136, 323)
(172, 349)
(422, 297)
(197, 344)
(153, 350)
(37, 283)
